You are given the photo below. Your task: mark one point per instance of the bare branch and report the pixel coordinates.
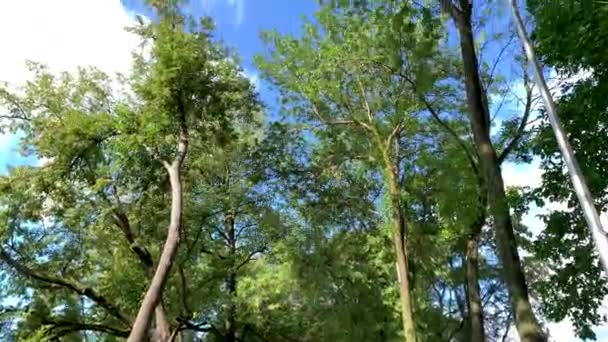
(370, 116)
(396, 131)
(184, 290)
(524, 120)
(453, 133)
(497, 60)
(201, 327)
(156, 156)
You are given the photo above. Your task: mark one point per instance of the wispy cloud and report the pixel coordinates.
(236, 6)
(253, 77)
(239, 8)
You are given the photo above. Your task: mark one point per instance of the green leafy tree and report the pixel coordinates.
(118, 166)
(360, 78)
(570, 36)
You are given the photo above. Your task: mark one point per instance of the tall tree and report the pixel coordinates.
(527, 325)
(344, 75)
(113, 158)
(570, 36)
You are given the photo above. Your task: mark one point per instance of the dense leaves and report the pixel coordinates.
(359, 214)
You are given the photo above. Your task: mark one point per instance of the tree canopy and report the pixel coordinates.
(170, 204)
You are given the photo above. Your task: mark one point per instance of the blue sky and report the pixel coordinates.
(239, 23)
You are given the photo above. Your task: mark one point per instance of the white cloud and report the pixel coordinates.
(239, 7)
(63, 34)
(522, 174)
(531, 175)
(253, 77)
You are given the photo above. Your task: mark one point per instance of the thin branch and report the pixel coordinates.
(17, 111)
(200, 327)
(396, 131)
(437, 118)
(122, 222)
(370, 116)
(217, 255)
(156, 156)
(222, 234)
(498, 108)
(250, 257)
(524, 120)
(508, 325)
(454, 135)
(455, 331)
(184, 290)
(456, 9)
(175, 332)
(182, 144)
(67, 327)
(74, 287)
(498, 58)
(317, 113)
(242, 229)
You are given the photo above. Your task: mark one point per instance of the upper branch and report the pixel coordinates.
(524, 120)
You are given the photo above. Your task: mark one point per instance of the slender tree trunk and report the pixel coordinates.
(399, 240)
(152, 297)
(163, 330)
(574, 170)
(525, 320)
(472, 275)
(162, 323)
(231, 280)
(154, 293)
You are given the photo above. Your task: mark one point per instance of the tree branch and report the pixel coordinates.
(182, 145)
(317, 113)
(249, 257)
(122, 222)
(497, 60)
(201, 327)
(67, 327)
(453, 133)
(57, 282)
(524, 120)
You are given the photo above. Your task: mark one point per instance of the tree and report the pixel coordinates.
(570, 37)
(107, 152)
(525, 320)
(361, 90)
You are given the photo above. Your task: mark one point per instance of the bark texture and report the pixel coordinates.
(399, 240)
(231, 279)
(474, 303)
(527, 325)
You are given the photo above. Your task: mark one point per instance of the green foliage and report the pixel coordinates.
(287, 225)
(571, 36)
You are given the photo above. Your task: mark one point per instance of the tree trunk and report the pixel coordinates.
(473, 292)
(399, 240)
(231, 281)
(163, 330)
(162, 323)
(525, 321)
(153, 295)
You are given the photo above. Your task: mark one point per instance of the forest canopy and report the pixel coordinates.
(370, 203)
